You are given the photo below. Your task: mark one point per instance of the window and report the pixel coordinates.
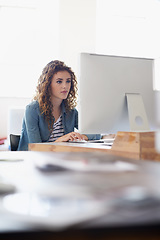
(29, 40)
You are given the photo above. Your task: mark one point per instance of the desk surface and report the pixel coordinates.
(131, 198)
(137, 145)
(68, 147)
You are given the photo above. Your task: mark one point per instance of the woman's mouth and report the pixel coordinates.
(64, 92)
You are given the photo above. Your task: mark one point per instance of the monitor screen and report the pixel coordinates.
(116, 94)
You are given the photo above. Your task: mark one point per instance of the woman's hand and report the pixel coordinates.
(72, 136)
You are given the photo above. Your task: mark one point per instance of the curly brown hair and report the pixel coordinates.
(43, 90)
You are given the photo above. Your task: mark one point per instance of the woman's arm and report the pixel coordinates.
(32, 126)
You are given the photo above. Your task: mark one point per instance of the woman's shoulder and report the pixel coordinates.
(72, 114)
(33, 108)
(33, 105)
(70, 111)
(73, 111)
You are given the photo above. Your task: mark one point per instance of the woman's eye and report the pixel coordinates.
(68, 81)
(59, 81)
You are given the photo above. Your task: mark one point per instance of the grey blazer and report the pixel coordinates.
(35, 128)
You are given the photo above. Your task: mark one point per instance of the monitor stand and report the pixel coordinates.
(136, 111)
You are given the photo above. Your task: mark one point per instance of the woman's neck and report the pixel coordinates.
(56, 113)
(56, 109)
(56, 102)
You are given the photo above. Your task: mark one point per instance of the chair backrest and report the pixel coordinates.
(15, 117)
(14, 141)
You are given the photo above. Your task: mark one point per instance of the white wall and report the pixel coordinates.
(108, 29)
(77, 30)
(128, 27)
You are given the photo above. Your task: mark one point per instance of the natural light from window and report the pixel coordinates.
(28, 42)
(29, 31)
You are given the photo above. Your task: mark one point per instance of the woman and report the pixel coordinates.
(52, 115)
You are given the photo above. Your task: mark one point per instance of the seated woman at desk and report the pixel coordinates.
(52, 115)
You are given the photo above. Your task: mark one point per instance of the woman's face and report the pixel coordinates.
(60, 85)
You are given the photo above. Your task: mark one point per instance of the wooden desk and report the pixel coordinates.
(68, 147)
(127, 144)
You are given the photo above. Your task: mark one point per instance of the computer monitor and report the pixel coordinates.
(116, 94)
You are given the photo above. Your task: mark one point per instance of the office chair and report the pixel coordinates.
(14, 141)
(15, 118)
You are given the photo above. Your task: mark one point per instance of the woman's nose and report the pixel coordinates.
(64, 85)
